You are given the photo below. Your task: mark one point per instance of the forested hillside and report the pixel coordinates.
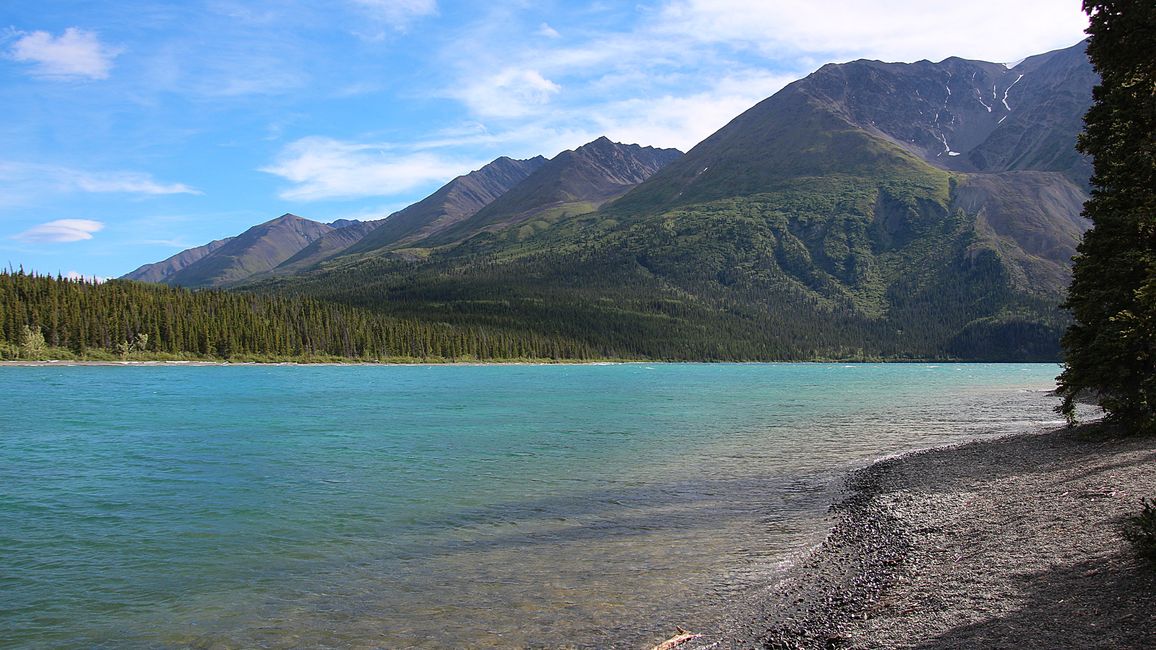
(868, 211)
(849, 269)
(53, 317)
(819, 224)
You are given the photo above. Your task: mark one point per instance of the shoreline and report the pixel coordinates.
(475, 362)
(1004, 542)
(351, 364)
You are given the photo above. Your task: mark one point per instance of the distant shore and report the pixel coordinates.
(65, 362)
(416, 362)
(1007, 543)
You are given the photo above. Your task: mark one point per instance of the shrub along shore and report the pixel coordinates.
(1019, 541)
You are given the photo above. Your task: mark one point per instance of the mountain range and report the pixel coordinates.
(502, 193)
(869, 210)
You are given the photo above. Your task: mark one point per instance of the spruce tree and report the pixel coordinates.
(1111, 347)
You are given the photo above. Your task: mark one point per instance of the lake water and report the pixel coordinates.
(443, 506)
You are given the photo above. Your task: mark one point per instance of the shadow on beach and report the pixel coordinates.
(1101, 603)
(1007, 543)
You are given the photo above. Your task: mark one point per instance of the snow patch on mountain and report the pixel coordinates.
(1009, 90)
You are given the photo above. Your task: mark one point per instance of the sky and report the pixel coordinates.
(132, 130)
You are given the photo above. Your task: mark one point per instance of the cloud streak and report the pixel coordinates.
(396, 15)
(22, 177)
(60, 231)
(324, 168)
(75, 54)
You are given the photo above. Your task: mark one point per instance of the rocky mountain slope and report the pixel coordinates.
(163, 270)
(577, 181)
(851, 118)
(459, 199)
(255, 251)
(345, 235)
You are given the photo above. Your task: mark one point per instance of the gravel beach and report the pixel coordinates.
(1007, 543)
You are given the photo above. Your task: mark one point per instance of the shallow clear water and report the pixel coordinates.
(444, 506)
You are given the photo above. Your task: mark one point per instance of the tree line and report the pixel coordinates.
(78, 318)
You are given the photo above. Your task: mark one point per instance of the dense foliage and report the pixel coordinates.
(1111, 347)
(878, 268)
(44, 315)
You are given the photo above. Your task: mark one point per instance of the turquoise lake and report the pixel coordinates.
(441, 506)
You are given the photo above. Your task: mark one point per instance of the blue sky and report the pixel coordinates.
(133, 130)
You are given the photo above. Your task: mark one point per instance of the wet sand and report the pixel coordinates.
(1007, 543)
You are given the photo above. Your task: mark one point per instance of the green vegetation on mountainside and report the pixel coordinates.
(831, 267)
(822, 223)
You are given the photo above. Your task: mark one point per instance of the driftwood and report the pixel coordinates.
(673, 642)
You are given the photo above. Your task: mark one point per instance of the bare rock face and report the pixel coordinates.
(971, 115)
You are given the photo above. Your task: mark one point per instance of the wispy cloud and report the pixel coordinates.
(60, 231)
(171, 243)
(511, 92)
(396, 15)
(31, 177)
(324, 168)
(684, 121)
(242, 67)
(125, 182)
(671, 73)
(638, 82)
(895, 30)
(75, 54)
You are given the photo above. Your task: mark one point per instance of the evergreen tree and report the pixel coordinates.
(1111, 347)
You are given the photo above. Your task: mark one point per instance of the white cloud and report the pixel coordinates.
(22, 177)
(127, 183)
(893, 30)
(324, 168)
(666, 120)
(676, 72)
(171, 243)
(74, 54)
(77, 275)
(512, 92)
(61, 230)
(523, 138)
(684, 121)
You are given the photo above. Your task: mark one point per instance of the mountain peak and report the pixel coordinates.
(600, 142)
(257, 250)
(849, 118)
(574, 181)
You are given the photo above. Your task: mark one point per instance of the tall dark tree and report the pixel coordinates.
(1111, 347)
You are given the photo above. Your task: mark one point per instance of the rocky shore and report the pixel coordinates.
(1008, 543)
